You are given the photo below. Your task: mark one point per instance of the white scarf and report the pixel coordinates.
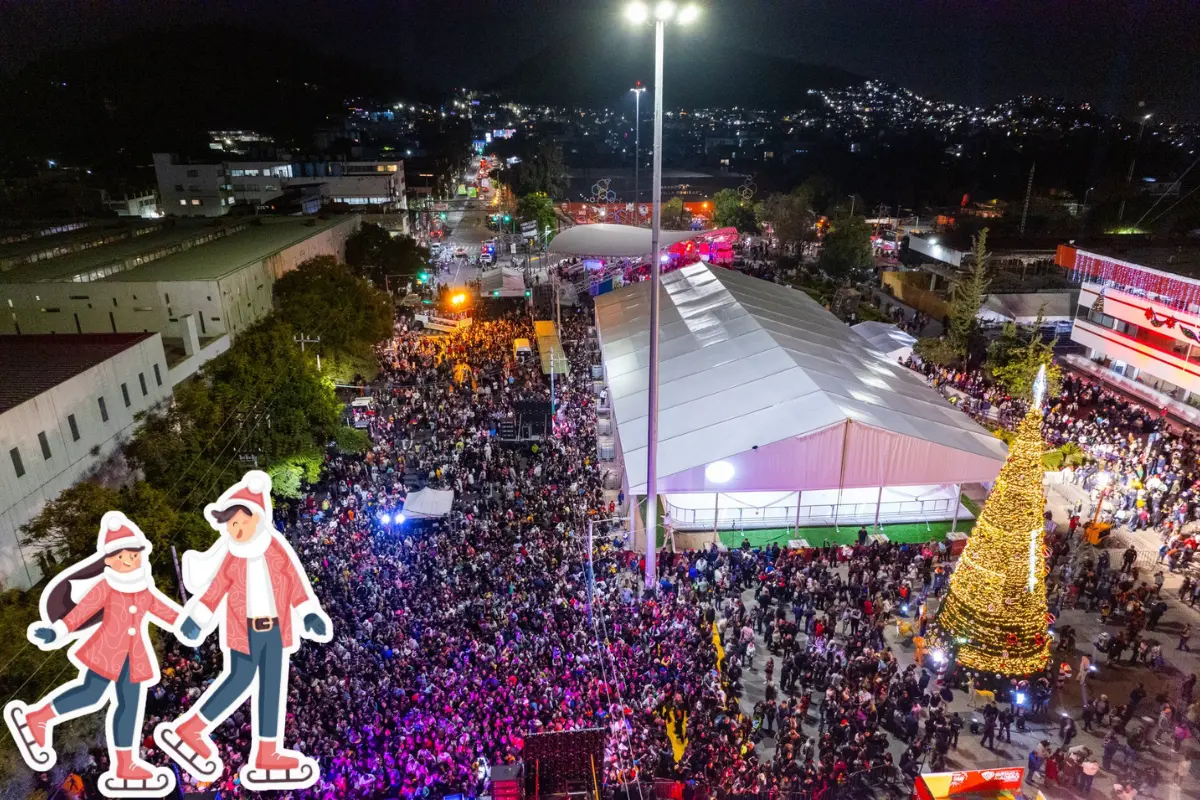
(124, 582)
(200, 568)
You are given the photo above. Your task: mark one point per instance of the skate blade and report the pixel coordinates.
(36, 757)
(202, 769)
(300, 777)
(159, 786)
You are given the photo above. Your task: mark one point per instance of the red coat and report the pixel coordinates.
(121, 634)
(290, 591)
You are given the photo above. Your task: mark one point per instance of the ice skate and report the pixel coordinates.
(277, 768)
(31, 731)
(189, 746)
(130, 777)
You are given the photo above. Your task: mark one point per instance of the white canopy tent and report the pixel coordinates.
(763, 390)
(887, 338)
(606, 240)
(428, 503)
(1023, 308)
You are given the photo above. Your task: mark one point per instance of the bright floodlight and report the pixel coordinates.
(719, 471)
(689, 13)
(636, 13)
(400, 519)
(385, 519)
(664, 10)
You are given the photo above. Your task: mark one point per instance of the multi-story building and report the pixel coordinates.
(1139, 321)
(358, 183)
(197, 285)
(67, 403)
(192, 190)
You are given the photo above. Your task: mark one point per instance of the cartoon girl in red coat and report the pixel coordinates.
(104, 605)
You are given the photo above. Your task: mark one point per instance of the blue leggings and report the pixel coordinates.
(265, 661)
(90, 694)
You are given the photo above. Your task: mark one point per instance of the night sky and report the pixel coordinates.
(1112, 54)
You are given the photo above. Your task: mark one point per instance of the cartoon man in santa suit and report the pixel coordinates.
(251, 584)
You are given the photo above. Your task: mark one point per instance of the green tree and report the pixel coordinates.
(261, 398)
(66, 529)
(936, 350)
(968, 292)
(1016, 356)
(731, 211)
(290, 475)
(674, 216)
(544, 172)
(538, 208)
(352, 315)
(377, 255)
(791, 217)
(846, 253)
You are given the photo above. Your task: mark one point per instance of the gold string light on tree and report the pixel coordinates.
(994, 616)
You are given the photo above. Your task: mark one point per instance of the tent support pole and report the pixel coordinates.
(716, 507)
(799, 494)
(957, 502)
(841, 476)
(878, 503)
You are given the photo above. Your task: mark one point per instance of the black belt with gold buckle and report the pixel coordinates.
(263, 624)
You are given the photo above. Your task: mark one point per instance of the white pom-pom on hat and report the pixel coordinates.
(257, 481)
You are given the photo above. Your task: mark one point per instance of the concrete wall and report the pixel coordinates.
(21, 499)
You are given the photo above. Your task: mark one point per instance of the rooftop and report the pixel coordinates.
(229, 254)
(66, 267)
(32, 364)
(1178, 258)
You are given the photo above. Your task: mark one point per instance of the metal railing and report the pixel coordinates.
(784, 516)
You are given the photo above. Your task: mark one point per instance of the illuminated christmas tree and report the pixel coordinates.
(994, 616)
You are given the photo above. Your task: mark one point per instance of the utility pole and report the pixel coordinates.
(1028, 194)
(303, 340)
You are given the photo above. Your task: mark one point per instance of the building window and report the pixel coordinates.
(197, 202)
(74, 428)
(179, 187)
(45, 443)
(182, 202)
(142, 381)
(103, 409)
(125, 394)
(193, 173)
(157, 375)
(18, 467)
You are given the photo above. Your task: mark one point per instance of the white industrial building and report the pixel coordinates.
(67, 403)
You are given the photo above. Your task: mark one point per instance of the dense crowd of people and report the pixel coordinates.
(456, 640)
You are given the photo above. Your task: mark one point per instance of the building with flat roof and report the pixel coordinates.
(1138, 315)
(194, 284)
(67, 403)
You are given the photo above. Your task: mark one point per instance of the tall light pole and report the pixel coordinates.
(638, 13)
(637, 146)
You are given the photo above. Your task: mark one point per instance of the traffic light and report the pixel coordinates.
(422, 277)
(495, 293)
(443, 215)
(507, 219)
(528, 293)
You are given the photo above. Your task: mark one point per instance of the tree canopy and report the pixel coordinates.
(731, 211)
(791, 217)
(538, 208)
(543, 172)
(846, 253)
(674, 216)
(323, 295)
(1015, 357)
(968, 292)
(375, 254)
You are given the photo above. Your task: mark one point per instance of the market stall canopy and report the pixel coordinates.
(428, 504)
(887, 338)
(761, 377)
(605, 240)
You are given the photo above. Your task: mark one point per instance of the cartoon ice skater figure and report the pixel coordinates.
(250, 584)
(104, 605)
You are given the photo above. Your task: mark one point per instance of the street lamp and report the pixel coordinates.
(637, 145)
(638, 13)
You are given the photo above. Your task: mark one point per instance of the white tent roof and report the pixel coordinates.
(603, 239)
(428, 503)
(762, 376)
(1023, 307)
(885, 337)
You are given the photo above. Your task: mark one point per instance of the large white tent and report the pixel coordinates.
(606, 240)
(887, 338)
(763, 392)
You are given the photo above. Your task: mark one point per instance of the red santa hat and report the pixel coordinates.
(253, 491)
(118, 533)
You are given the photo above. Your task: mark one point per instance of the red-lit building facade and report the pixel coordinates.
(1139, 322)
